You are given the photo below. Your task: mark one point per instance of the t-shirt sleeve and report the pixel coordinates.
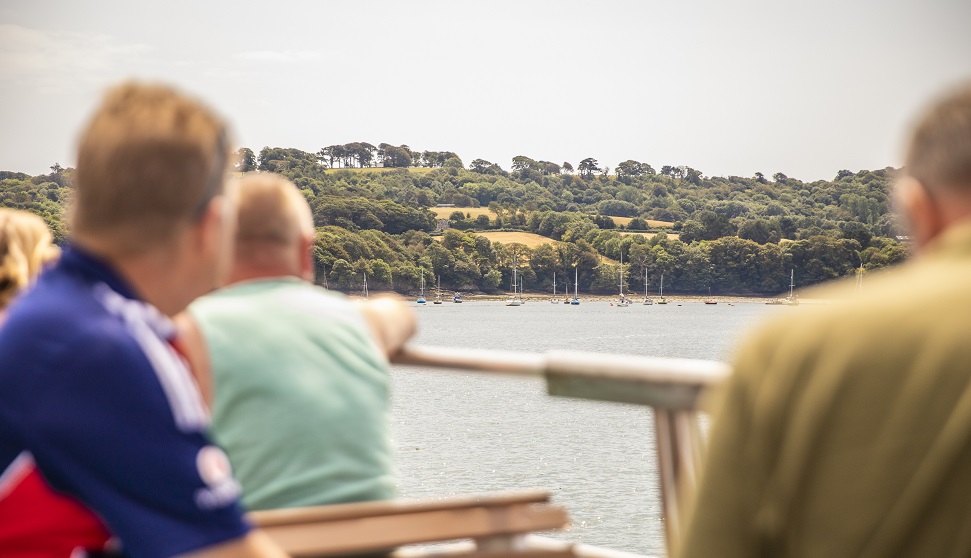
(105, 430)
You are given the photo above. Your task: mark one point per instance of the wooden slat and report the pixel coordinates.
(531, 543)
(307, 537)
(312, 514)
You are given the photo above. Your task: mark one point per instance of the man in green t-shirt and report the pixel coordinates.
(297, 375)
(846, 430)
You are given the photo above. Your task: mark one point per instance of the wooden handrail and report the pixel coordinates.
(671, 386)
(313, 514)
(670, 383)
(497, 522)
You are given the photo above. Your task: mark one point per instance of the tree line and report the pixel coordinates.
(733, 234)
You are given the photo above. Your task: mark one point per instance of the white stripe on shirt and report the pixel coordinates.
(149, 328)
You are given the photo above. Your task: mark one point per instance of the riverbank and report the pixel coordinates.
(635, 299)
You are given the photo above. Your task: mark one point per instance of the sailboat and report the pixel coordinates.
(790, 300)
(710, 300)
(554, 300)
(512, 300)
(859, 280)
(576, 288)
(438, 294)
(365, 284)
(623, 302)
(566, 293)
(647, 299)
(421, 297)
(661, 299)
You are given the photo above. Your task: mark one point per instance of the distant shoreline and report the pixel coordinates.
(635, 299)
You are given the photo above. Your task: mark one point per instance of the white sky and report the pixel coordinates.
(726, 87)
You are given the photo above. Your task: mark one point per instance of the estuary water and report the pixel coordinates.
(466, 432)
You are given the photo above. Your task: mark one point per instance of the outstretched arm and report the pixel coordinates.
(193, 347)
(390, 320)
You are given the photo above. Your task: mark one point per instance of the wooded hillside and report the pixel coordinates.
(736, 235)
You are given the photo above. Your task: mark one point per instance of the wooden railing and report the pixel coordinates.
(672, 387)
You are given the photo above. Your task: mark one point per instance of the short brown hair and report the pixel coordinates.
(25, 246)
(271, 211)
(149, 159)
(939, 155)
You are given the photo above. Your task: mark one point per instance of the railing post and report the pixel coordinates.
(671, 387)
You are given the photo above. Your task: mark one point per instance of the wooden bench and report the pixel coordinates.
(496, 522)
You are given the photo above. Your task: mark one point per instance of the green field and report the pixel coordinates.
(444, 212)
(529, 239)
(626, 221)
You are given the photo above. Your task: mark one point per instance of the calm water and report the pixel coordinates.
(459, 433)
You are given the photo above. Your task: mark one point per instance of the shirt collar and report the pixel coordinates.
(955, 241)
(78, 260)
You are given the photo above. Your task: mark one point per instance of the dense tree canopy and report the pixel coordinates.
(373, 209)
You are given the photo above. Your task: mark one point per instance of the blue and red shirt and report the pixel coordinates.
(99, 402)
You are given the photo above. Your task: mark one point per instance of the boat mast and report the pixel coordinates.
(622, 275)
(576, 284)
(365, 284)
(515, 279)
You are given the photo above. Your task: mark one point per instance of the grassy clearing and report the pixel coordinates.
(529, 239)
(444, 212)
(650, 222)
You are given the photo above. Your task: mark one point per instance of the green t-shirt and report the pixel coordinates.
(301, 397)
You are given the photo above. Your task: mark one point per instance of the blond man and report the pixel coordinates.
(846, 431)
(298, 374)
(97, 406)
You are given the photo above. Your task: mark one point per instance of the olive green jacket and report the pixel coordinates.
(846, 428)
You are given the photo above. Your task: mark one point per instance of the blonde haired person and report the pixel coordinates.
(97, 405)
(284, 355)
(25, 247)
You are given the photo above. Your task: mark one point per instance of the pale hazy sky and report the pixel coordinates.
(726, 87)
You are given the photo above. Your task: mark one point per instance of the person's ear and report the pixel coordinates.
(922, 212)
(211, 225)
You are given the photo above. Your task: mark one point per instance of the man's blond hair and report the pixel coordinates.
(939, 154)
(25, 246)
(149, 162)
(272, 212)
